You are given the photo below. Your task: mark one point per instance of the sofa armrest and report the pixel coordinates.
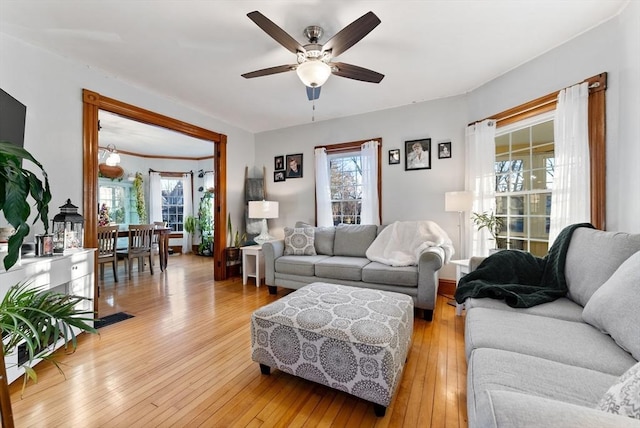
(474, 262)
(430, 261)
(271, 250)
(514, 409)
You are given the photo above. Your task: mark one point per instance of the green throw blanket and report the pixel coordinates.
(520, 278)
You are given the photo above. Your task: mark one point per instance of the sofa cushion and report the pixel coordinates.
(352, 240)
(495, 369)
(614, 307)
(379, 273)
(297, 265)
(324, 237)
(605, 251)
(562, 308)
(573, 343)
(513, 409)
(349, 268)
(299, 241)
(623, 398)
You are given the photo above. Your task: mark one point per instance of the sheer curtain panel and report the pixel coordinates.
(155, 197)
(324, 218)
(187, 210)
(370, 204)
(481, 179)
(571, 193)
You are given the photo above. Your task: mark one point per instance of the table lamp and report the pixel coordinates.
(263, 210)
(459, 202)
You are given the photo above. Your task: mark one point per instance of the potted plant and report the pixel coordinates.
(190, 228)
(16, 184)
(205, 224)
(489, 221)
(235, 241)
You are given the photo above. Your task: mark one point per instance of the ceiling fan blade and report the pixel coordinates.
(313, 93)
(357, 73)
(278, 34)
(351, 34)
(270, 70)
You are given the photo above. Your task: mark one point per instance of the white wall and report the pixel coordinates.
(51, 88)
(613, 47)
(406, 195)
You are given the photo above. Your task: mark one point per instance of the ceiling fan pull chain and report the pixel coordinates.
(313, 111)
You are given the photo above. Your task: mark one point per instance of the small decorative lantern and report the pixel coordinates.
(68, 229)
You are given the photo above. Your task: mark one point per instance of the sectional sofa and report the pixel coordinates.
(339, 255)
(571, 362)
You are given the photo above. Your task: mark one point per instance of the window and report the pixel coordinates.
(119, 199)
(524, 168)
(172, 203)
(346, 187)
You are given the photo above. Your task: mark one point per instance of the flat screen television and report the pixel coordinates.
(12, 119)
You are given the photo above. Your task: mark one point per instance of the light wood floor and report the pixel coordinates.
(184, 360)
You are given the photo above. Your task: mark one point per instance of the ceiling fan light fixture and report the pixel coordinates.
(313, 73)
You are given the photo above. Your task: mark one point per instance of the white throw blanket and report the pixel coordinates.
(401, 243)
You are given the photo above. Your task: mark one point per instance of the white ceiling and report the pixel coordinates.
(195, 51)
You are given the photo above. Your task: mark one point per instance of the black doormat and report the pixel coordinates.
(111, 319)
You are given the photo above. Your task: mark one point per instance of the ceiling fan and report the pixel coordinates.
(314, 65)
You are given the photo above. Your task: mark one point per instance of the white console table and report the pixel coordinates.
(252, 263)
(462, 268)
(70, 274)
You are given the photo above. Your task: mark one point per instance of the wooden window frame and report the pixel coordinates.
(350, 147)
(597, 137)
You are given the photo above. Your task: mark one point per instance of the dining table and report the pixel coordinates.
(163, 234)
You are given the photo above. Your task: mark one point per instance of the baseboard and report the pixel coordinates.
(447, 287)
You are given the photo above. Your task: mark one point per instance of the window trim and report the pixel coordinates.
(597, 136)
(350, 147)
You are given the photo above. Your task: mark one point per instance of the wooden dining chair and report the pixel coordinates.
(139, 247)
(107, 243)
(155, 244)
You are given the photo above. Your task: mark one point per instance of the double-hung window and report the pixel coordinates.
(524, 168)
(172, 203)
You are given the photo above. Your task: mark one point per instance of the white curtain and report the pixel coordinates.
(155, 197)
(187, 210)
(481, 180)
(370, 203)
(324, 215)
(571, 193)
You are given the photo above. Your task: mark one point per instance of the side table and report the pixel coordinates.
(462, 268)
(252, 263)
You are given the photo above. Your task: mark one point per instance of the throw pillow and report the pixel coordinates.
(613, 308)
(298, 241)
(623, 398)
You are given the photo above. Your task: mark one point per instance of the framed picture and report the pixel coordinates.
(278, 176)
(394, 157)
(444, 150)
(417, 154)
(278, 163)
(294, 166)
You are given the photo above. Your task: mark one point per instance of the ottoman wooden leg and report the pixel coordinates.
(272, 289)
(379, 410)
(264, 369)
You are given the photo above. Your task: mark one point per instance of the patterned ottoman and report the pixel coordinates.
(348, 338)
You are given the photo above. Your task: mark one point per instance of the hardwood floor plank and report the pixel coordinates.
(184, 360)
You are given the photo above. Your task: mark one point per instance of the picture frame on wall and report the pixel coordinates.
(444, 150)
(278, 176)
(394, 156)
(294, 166)
(278, 163)
(417, 154)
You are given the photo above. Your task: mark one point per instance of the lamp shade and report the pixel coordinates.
(263, 209)
(458, 201)
(313, 73)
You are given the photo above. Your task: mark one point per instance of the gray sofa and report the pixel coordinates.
(561, 363)
(340, 259)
